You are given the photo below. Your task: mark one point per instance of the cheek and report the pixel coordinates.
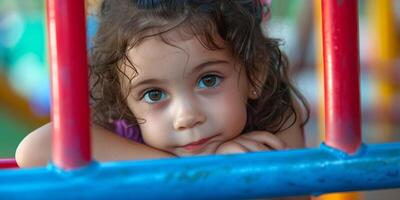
(150, 123)
(230, 111)
(155, 130)
(236, 117)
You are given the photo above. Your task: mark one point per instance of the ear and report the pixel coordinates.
(255, 90)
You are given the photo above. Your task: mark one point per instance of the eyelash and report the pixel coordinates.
(216, 84)
(147, 99)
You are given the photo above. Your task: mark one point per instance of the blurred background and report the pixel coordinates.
(24, 81)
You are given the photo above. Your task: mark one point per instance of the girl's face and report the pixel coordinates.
(191, 99)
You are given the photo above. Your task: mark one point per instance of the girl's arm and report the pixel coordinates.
(35, 148)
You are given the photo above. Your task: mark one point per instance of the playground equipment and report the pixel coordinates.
(321, 115)
(8, 163)
(342, 163)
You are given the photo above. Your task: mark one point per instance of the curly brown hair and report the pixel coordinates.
(123, 24)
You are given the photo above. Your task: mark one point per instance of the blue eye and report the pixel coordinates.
(209, 81)
(154, 96)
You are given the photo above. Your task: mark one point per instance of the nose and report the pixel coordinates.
(188, 115)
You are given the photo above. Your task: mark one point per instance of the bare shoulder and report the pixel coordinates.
(35, 149)
(294, 136)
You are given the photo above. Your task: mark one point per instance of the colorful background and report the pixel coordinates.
(24, 82)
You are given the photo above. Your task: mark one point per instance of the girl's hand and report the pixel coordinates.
(251, 142)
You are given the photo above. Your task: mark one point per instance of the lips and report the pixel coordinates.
(198, 144)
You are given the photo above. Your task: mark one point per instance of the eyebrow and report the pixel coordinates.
(145, 82)
(197, 68)
(209, 63)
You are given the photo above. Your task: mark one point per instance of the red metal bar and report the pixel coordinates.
(69, 81)
(341, 75)
(8, 163)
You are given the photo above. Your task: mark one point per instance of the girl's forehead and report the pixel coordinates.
(179, 35)
(175, 49)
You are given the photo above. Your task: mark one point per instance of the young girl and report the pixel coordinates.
(182, 78)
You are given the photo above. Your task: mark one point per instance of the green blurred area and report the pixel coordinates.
(12, 132)
(23, 70)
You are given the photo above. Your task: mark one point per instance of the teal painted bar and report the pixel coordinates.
(239, 176)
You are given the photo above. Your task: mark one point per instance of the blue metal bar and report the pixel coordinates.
(240, 176)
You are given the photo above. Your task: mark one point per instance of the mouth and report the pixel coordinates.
(197, 145)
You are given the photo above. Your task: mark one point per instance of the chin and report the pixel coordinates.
(210, 150)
